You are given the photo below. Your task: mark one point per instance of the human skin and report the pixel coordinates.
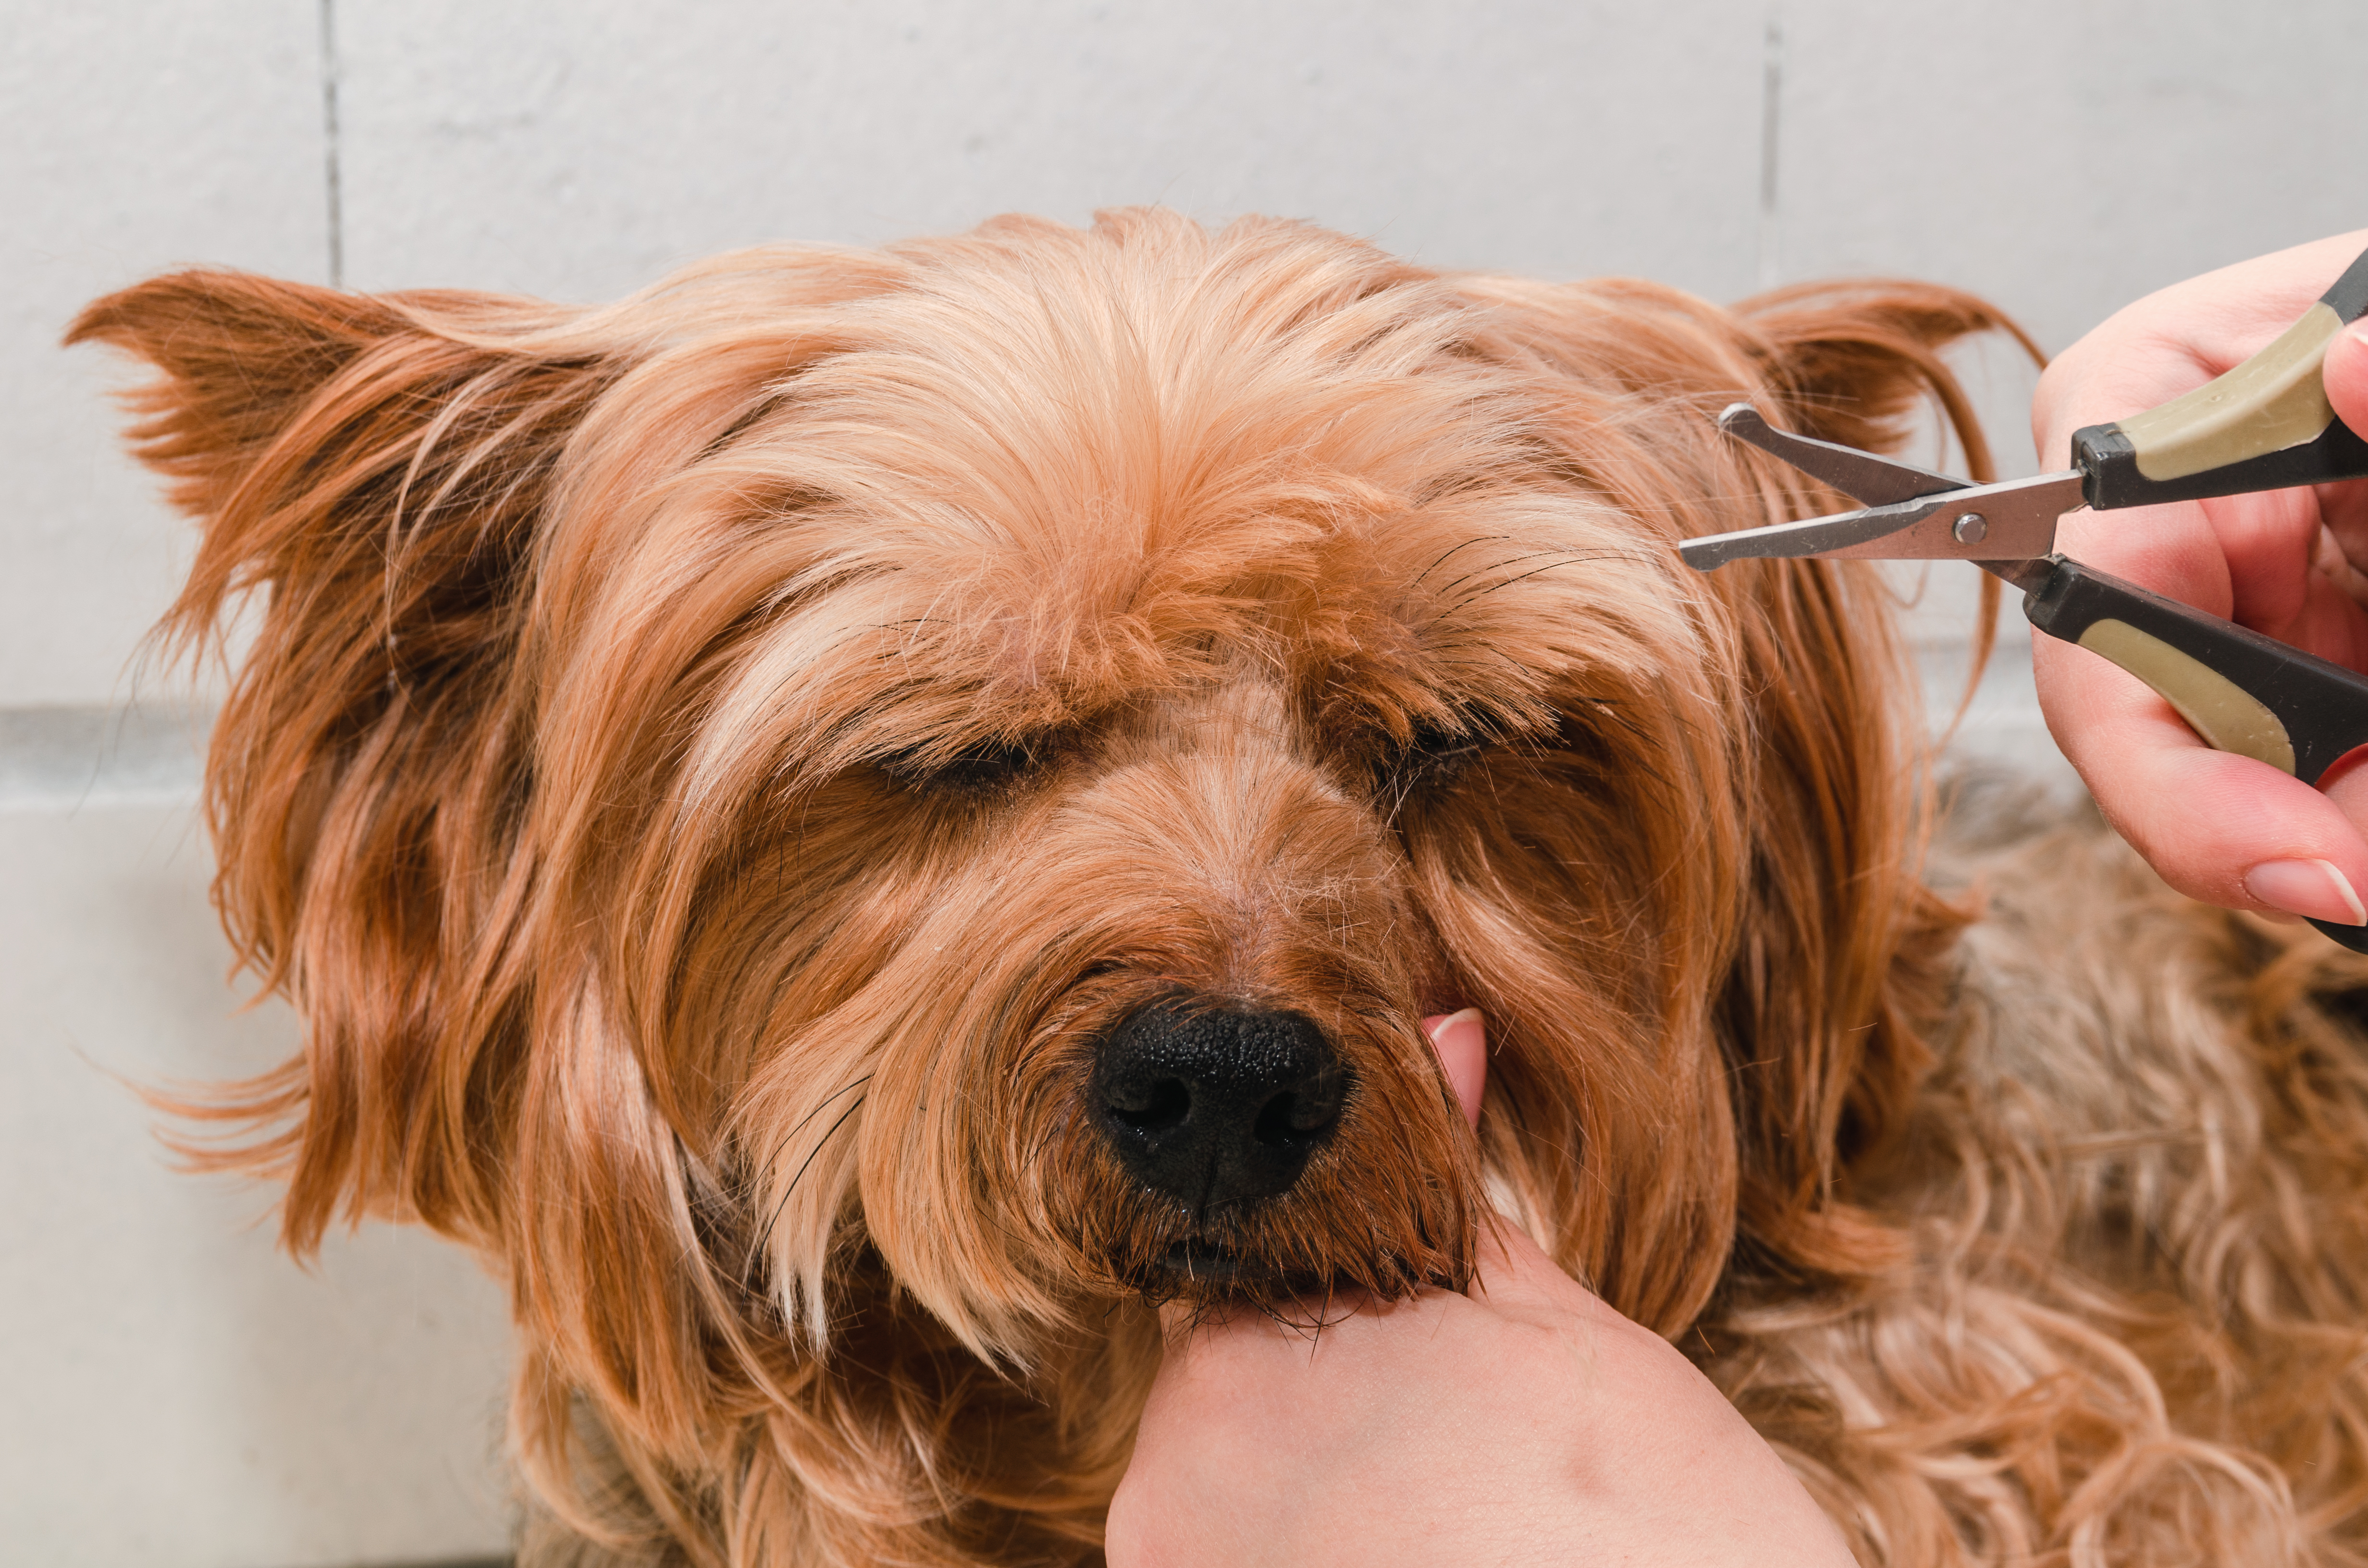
(1525, 1421)
(2217, 827)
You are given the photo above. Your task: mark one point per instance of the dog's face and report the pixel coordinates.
(1083, 712)
(938, 785)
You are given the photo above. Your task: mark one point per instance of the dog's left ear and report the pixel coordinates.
(1851, 361)
(1844, 951)
(1820, 947)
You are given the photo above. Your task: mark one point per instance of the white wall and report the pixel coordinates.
(171, 1392)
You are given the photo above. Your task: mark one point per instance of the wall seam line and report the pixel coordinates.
(1771, 118)
(335, 192)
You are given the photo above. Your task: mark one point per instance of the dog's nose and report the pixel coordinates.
(1211, 1104)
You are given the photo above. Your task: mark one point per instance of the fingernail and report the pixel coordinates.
(2313, 888)
(1434, 1029)
(1460, 1042)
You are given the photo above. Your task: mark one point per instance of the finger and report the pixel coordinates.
(1511, 1258)
(2216, 826)
(2180, 337)
(1516, 1279)
(2345, 373)
(2344, 506)
(1460, 1040)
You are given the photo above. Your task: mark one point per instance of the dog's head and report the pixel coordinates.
(933, 787)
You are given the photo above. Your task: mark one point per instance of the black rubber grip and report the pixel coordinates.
(2321, 709)
(2104, 454)
(2349, 294)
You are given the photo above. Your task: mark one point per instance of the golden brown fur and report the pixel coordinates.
(709, 767)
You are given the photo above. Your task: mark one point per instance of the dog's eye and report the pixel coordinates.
(1432, 755)
(983, 768)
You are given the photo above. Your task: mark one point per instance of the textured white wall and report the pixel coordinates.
(171, 1392)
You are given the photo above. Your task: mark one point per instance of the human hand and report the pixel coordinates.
(2288, 564)
(1526, 1422)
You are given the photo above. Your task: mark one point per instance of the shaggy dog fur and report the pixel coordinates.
(710, 770)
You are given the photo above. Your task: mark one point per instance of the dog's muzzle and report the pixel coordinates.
(1215, 1105)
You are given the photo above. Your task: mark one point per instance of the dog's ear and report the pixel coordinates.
(1843, 949)
(385, 487)
(1852, 362)
(242, 357)
(367, 473)
(1791, 899)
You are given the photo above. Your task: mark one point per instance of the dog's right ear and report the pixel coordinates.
(369, 472)
(286, 413)
(388, 486)
(241, 359)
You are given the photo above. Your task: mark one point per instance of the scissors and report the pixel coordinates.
(2265, 424)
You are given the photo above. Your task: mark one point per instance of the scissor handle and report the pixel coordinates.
(2264, 426)
(2241, 691)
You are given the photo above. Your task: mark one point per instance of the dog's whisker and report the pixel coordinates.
(1501, 565)
(820, 1105)
(765, 1236)
(1579, 558)
(1453, 550)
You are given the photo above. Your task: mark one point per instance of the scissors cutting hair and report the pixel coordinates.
(2266, 425)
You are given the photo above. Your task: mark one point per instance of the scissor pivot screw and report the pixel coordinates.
(1971, 527)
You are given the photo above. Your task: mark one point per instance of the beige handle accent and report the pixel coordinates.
(2229, 717)
(2273, 401)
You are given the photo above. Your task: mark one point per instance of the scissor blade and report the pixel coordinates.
(2015, 520)
(1862, 476)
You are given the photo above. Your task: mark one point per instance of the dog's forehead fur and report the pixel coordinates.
(1046, 477)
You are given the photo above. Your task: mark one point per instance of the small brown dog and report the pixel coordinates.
(854, 819)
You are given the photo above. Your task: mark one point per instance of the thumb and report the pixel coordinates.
(2346, 375)
(1461, 1041)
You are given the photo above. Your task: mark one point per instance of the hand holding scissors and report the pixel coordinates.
(2262, 451)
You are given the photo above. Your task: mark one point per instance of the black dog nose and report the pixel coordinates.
(1213, 1106)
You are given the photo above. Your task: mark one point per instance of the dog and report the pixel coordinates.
(857, 820)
